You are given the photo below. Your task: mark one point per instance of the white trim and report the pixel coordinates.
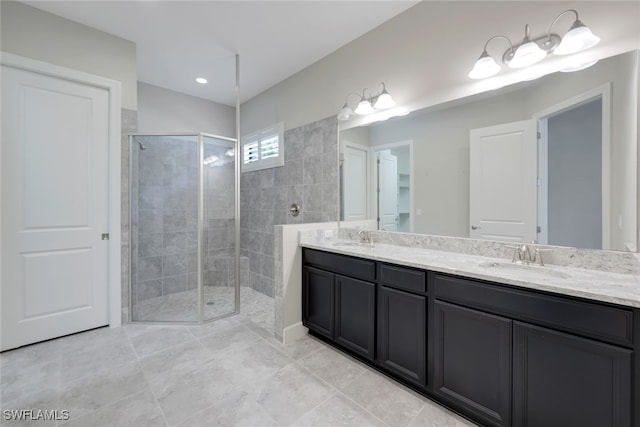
(293, 332)
(604, 92)
(543, 181)
(115, 105)
(374, 177)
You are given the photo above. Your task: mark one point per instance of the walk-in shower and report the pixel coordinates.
(184, 234)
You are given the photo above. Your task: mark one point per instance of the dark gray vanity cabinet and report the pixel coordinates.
(402, 323)
(509, 356)
(565, 380)
(355, 315)
(339, 300)
(472, 362)
(501, 355)
(318, 301)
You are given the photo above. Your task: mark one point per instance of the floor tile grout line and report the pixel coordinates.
(328, 398)
(155, 397)
(349, 398)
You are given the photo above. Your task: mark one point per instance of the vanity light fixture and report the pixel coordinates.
(530, 51)
(367, 104)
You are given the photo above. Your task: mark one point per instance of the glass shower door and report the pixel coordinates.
(220, 289)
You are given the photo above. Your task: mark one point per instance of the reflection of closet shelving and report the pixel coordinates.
(403, 201)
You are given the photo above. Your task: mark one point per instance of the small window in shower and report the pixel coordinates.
(263, 149)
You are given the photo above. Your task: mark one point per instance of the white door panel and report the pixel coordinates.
(355, 178)
(388, 191)
(55, 206)
(503, 182)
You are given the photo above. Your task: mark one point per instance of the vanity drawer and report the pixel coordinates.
(403, 278)
(599, 321)
(342, 264)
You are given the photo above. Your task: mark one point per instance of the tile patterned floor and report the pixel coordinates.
(183, 306)
(227, 373)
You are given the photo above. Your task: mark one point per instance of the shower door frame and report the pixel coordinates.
(200, 213)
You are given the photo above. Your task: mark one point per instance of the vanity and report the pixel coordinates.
(502, 344)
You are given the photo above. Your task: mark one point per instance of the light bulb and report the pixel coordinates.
(201, 80)
(484, 67)
(577, 39)
(364, 107)
(345, 113)
(527, 54)
(384, 101)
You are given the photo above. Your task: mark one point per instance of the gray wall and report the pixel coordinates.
(163, 110)
(34, 33)
(575, 177)
(309, 177)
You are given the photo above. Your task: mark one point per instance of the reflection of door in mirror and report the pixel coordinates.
(387, 191)
(502, 187)
(393, 194)
(354, 175)
(571, 153)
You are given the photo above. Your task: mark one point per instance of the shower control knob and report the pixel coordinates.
(294, 210)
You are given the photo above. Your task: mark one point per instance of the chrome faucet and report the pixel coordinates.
(522, 254)
(365, 236)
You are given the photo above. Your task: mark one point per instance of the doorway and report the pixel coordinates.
(60, 202)
(393, 186)
(573, 171)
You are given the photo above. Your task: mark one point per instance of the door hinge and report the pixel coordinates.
(539, 135)
(539, 229)
(105, 236)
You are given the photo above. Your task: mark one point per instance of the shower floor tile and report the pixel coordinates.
(218, 301)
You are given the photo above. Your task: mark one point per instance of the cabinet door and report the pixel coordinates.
(318, 301)
(355, 315)
(402, 335)
(563, 380)
(472, 362)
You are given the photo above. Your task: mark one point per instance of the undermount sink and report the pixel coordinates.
(534, 270)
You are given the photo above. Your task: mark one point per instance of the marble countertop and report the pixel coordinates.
(623, 289)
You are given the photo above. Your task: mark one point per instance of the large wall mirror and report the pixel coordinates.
(552, 160)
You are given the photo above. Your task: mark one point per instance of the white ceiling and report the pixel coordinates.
(178, 41)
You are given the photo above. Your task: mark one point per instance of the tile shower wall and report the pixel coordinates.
(164, 216)
(219, 222)
(309, 178)
(164, 225)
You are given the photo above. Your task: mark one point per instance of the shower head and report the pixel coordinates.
(142, 147)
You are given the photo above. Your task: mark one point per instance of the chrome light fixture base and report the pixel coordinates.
(548, 44)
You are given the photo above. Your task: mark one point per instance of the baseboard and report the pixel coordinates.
(293, 332)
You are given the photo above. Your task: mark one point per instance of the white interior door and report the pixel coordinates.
(387, 191)
(356, 159)
(55, 191)
(503, 182)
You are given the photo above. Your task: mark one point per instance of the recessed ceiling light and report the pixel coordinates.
(201, 80)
